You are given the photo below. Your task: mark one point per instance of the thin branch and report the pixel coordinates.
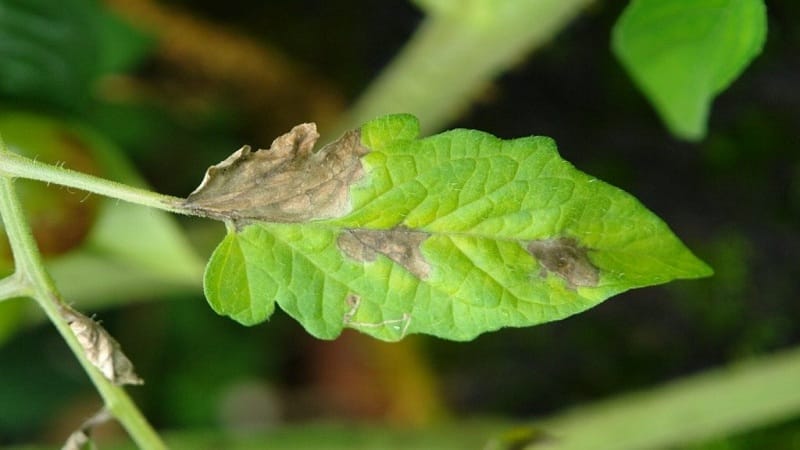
(13, 165)
(14, 286)
(29, 267)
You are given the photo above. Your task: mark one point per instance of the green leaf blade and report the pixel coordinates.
(237, 286)
(459, 234)
(682, 54)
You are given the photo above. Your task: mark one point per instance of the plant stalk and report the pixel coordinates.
(30, 273)
(13, 165)
(455, 54)
(13, 286)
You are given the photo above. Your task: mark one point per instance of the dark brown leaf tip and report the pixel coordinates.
(567, 259)
(399, 244)
(289, 182)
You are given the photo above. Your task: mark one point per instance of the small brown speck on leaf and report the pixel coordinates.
(289, 182)
(567, 259)
(352, 301)
(400, 245)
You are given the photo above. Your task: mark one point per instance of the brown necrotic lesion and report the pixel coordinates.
(289, 182)
(565, 258)
(400, 245)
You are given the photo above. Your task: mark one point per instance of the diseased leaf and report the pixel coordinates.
(287, 183)
(683, 53)
(452, 235)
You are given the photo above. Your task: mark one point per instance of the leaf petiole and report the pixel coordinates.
(13, 165)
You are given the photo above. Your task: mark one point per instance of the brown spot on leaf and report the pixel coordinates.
(400, 245)
(567, 259)
(286, 183)
(352, 301)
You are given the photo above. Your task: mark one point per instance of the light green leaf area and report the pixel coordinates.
(682, 53)
(441, 240)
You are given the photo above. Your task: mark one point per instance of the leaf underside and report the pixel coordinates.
(453, 235)
(682, 53)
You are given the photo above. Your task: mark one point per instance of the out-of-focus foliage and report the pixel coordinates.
(682, 54)
(53, 53)
(60, 219)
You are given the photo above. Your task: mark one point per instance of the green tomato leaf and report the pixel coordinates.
(682, 53)
(453, 235)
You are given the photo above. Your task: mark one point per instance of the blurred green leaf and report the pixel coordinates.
(121, 45)
(453, 235)
(682, 54)
(51, 52)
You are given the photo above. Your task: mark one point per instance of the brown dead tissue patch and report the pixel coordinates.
(102, 349)
(287, 183)
(400, 245)
(565, 258)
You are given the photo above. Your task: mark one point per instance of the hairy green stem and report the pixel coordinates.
(455, 54)
(14, 165)
(32, 279)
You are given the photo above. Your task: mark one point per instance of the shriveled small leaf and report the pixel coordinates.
(452, 235)
(80, 439)
(102, 350)
(287, 183)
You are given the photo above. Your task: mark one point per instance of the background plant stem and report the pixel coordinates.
(715, 403)
(30, 271)
(455, 54)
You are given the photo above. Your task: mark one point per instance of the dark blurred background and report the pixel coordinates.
(196, 80)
